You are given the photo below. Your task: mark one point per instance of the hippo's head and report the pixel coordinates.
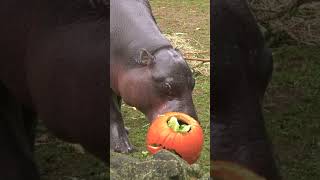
(158, 83)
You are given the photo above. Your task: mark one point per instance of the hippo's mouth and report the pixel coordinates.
(153, 114)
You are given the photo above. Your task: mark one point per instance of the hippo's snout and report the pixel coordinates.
(186, 107)
(190, 111)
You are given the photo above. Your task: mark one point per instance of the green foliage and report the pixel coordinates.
(174, 124)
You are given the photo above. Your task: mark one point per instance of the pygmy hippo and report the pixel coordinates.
(145, 70)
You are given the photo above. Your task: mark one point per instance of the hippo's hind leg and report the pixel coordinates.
(16, 139)
(118, 133)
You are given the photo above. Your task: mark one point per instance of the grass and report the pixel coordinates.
(292, 111)
(191, 17)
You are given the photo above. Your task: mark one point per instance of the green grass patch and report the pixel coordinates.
(292, 111)
(191, 17)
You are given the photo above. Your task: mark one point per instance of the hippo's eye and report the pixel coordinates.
(168, 88)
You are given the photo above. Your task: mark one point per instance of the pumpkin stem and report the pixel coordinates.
(181, 127)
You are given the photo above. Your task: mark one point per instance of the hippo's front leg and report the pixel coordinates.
(119, 140)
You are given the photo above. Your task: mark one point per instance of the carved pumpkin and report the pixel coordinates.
(177, 132)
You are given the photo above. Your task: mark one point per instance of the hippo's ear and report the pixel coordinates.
(145, 57)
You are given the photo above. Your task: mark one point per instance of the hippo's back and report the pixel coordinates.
(133, 26)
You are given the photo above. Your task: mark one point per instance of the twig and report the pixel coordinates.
(197, 59)
(197, 52)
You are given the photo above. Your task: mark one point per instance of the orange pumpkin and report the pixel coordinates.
(222, 170)
(177, 132)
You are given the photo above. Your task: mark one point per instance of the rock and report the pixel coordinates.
(163, 165)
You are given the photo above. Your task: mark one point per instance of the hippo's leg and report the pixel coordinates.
(118, 134)
(118, 98)
(16, 139)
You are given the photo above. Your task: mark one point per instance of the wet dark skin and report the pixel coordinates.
(242, 70)
(146, 71)
(52, 67)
